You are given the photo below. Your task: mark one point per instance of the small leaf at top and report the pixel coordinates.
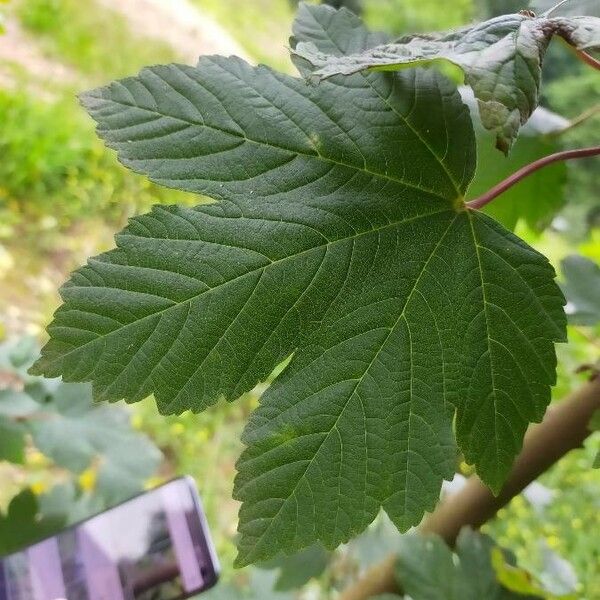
(340, 238)
(501, 59)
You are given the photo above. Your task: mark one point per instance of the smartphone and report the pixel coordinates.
(155, 546)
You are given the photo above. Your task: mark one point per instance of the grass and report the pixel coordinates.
(94, 40)
(55, 167)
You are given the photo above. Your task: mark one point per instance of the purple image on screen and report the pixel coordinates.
(153, 547)
(3, 595)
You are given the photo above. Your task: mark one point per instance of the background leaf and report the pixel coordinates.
(296, 570)
(23, 525)
(428, 570)
(509, 48)
(77, 434)
(582, 289)
(12, 441)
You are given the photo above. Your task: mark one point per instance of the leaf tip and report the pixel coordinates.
(39, 368)
(503, 144)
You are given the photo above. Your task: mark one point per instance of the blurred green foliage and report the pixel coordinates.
(55, 174)
(89, 451)
(400, 17)
(260, 26)
(206, 448)
(572, 96)
(54, 168)
(95, 40)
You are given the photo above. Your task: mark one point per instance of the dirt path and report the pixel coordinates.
(19, 49)
(189, 31)
(180, 24)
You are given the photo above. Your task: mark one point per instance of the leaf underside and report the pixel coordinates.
(339, 237)
(501, 59)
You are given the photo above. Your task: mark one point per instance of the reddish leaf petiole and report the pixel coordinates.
(527, 170)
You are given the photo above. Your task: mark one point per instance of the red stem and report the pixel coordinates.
(588, 59)
(527, 170)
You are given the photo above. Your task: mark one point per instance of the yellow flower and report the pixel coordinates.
(36, 459)
(177, 429)
(518, 501)
(39, 487)
(87, 480)
(153, 482)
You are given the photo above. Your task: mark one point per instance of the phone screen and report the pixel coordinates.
(155, 546)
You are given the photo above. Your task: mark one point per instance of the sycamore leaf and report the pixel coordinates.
(340, 237)
(501, 59)
(582, 289)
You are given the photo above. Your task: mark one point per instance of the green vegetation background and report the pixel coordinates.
(63, 195)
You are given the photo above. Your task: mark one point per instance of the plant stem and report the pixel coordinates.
(576, 121)
(588, 59)
(564, 428)
(582, 54)
(554, 8)
(528, 170)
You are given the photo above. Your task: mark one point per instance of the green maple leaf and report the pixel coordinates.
(340, 238)
(501, 59)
